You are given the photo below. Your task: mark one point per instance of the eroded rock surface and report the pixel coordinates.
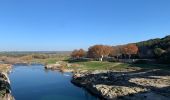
(5, 89)
(135, 85)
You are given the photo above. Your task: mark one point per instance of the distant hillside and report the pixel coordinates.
(22, 53)
(158, 48)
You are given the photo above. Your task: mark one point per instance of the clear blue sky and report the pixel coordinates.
(69, 24)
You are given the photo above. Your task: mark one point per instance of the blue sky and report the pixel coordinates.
(69, 24)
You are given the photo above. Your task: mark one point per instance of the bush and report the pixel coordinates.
(158, 52)
(144, 61)
(79, 60)
(165, 58)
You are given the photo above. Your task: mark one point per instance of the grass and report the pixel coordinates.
(98, 65)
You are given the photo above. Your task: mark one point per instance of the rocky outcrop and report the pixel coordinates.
(56, 66)
(61, 66)
(137, 85)
(5, 89)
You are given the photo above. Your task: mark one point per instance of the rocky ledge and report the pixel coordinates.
(61, 66)
(5, 89)
(135, 85)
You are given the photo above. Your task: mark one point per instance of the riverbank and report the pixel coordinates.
(120, 81)
(5, 89)
(130, 85)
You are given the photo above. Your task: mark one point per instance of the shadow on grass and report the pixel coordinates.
(76, 60)
(151, 66)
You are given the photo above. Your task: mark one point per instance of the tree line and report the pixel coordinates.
(151, 49)
(101, 51)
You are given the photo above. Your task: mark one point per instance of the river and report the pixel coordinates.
(33, 82)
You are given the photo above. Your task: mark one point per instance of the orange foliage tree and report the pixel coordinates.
(130, 49)
(99, 51)
(117, 51)
(78, 53)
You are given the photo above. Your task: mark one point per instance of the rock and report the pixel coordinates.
(53, 66)
(5, 89)
(60, 66)
(146, 96)
(140, 85)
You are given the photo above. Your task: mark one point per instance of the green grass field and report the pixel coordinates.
(97, 65)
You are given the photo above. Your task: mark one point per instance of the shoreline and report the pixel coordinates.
(139, 84)
(5, 90)
(125, 86)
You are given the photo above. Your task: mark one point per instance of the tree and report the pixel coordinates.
(130, 49)
(99, 51)
(147, 48)
(158, 52)
(117, 51)
(81, 53)
(78, 53)
(165, 57)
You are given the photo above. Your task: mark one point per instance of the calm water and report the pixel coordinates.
(33, 82)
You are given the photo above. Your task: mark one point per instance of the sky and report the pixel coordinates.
(64, 25)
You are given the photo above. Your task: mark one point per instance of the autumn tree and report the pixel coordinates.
(82, 53)
(130, 49)
(99, 51)
(78, 53)
(117, 51)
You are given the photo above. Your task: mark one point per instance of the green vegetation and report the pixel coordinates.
(98, 65)
(155, 48)
(158, 49)
(152, 66)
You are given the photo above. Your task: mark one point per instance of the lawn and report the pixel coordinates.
(98, 65)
